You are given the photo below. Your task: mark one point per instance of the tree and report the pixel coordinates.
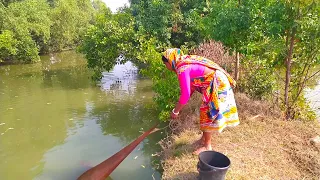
(115, 39)
(7, 45)
(7, 2)
(99, 6)
(271, 35)
(153, 18)
(302, 50)
(29, 24)
(172, 22)
(40, 26)
(109, 40)
(70, 18)
(230, 22)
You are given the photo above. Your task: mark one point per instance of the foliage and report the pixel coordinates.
(303, 39)
(173, 23)
(30, 27)
(110, 38)
(153, 16)
(241, 26)
(260, 30)
(271, 35)
(165, 83)
(70, 18)
(7, 44)
(229, 23)
(139, 33)
(114, 39)
(258, 81)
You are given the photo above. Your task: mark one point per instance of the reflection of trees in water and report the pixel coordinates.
(128, 116)
(122, 119)
(71, 78)
(67, 70)
(109, 178)
(313, 96)
(122, 78)
(40, 118)
(128, 121)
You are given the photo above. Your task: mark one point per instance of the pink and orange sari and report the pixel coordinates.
(218, 109)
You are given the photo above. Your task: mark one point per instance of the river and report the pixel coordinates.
(313, 96)
(55, 123)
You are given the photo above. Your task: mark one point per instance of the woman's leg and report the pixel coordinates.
(206, 145)
(200, 141)
(207, 140)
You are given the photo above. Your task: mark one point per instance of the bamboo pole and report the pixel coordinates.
(104, 169)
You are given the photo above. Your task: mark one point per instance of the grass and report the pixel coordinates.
(263, 146)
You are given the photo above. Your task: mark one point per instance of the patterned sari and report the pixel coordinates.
(218, 109)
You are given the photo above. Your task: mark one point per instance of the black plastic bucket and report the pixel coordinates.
(213, 165)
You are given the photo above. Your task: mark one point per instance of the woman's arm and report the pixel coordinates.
(185, 92)
(179, 106)
(192, 89)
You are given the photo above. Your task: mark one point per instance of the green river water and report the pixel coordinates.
(55, 123)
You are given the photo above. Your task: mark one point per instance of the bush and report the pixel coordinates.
(257, 78)
(7, 45)
(218, 53)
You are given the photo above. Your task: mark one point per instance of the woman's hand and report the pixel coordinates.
(174, 115)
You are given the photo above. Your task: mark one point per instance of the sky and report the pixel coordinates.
(114, 4)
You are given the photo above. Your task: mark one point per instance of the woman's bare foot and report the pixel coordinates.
(201, 149)
(199, 142)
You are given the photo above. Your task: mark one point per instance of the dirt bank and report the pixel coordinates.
(263, 146)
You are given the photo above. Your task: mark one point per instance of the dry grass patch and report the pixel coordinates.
(261, 147)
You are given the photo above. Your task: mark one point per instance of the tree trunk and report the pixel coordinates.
(288, 74)
(236, 73)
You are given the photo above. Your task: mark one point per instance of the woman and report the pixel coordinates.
(218, 109)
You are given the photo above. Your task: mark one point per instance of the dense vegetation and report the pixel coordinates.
(276, 42)
(30, 27)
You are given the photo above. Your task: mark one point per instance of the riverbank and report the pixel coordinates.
(263, 146)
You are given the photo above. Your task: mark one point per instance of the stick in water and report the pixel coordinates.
(104, 169)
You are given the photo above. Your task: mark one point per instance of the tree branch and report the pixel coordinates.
(314, 74)
(279, 77)
(301, 87)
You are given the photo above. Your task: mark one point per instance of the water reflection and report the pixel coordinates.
(313, 95)
(123, 75)
(62, 124)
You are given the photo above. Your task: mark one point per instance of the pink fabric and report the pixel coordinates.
(192, 71)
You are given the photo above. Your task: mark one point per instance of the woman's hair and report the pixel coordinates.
(164, 59)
